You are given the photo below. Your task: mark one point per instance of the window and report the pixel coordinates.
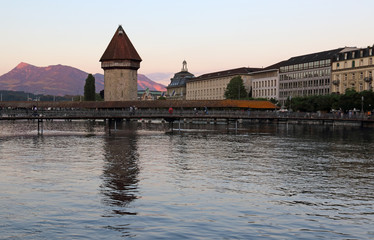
(353, 64)
(345, 56)
(353, 55)
(337, 65)
(370, 61)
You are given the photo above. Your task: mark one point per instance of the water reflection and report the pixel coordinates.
(261, 182)
(120, 171)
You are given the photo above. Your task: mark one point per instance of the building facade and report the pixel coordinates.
(212, 86)
(120, 62)
(176, 90)
(306, 75)
(265, 83)
(353, 69)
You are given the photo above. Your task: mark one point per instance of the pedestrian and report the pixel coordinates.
(131, 111)
(170, 110)
(206, 110)
(195, 111)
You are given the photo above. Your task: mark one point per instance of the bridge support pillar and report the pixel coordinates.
(40, 126)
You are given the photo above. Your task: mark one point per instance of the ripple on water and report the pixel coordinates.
(265, 182)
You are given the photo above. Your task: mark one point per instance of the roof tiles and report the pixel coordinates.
(120, 48)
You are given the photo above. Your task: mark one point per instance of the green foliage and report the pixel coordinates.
(161, 98)
(89, 88)
(345, 102)
(98, 97)
(24, 96)
(273, 100)
(235, 89)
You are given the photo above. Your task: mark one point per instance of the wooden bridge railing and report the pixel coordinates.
(178, 113)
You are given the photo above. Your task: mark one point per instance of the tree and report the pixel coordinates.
(89, 88)
(102, 94)
(235, 89)
(98, 97)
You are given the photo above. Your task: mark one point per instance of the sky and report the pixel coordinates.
(211, 35)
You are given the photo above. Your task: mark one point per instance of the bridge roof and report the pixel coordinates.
(244, 104)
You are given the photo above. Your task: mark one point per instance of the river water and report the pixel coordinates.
(203, 182)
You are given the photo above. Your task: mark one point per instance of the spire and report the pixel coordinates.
(120, 48)
(184, 67)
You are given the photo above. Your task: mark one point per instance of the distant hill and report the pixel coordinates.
(59, 80)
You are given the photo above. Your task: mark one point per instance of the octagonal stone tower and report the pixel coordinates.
(120, 62)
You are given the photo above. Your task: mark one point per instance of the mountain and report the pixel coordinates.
(59, 80)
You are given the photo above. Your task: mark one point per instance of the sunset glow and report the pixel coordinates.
(209, 35)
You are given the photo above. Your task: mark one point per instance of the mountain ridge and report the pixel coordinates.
(59, 80)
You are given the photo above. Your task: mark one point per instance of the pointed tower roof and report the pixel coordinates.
(120, 48)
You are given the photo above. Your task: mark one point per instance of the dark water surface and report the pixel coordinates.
(262, 182)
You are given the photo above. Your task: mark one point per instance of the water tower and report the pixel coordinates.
(120, 62)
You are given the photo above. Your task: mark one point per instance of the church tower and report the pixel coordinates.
(120, 62)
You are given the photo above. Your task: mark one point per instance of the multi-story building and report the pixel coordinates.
(265, 83)
(306, 75)
(212, 86)
(176, 90)
(353, 69)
